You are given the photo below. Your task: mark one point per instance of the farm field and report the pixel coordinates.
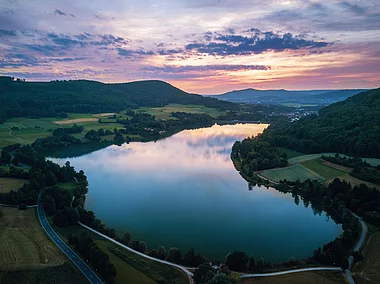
(8, 184)
(63, 274)
(318, 166)
(291, 173)
(368, 271)
(303, 158)
(310, 277)
(139, 269)
(24, 245)
(354, 181)
(165, 112)
(27, 130)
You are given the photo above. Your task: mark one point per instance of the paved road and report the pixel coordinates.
(357, 247)
(83, 267)
(183, 268)
(290, 271)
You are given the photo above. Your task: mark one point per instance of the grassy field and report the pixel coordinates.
(30, 129)
(125, 273)
(291, 173)
(63, 274)
(354, 181)
(368, 271)
(23, 244)
(165, 112)
(318, 166)
(303, 158)
(8, 184)
(311, 277)
(130, 267)
(290, 153)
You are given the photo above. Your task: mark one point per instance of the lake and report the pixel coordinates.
(183, 191)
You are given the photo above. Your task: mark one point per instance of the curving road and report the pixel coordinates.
(290, 271)
(357, 247)
(83, 267)
(183, 268)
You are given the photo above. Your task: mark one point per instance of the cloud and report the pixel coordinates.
(16, 60)
(7, 33)
(203, 68)
(355, 8)
(58, 12)
(253, 42)
(130, 52)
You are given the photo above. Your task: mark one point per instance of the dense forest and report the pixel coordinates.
(350, 127)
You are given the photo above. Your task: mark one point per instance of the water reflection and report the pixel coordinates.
(183, 191)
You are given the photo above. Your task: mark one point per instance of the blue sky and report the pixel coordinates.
(199, 46)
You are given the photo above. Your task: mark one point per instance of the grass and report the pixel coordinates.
(368, 271)
(63, 274)
(128, 264)
(165, 112)
(31, 129)
(71, 185)
(125, 273)
(291, 173)
(319, 167)
(8, 184)
(24, 245)
(291, 153)
(310, 277)
(303, 158)
(354, 181)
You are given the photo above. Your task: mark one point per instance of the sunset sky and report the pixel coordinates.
(200, 46)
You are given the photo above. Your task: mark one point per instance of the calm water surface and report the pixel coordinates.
(184, 191)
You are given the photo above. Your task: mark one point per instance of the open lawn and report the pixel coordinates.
(8, 184)
(318, 166)
(23, 244)
(368, 271)
(62, 274)
(128, 264)
(291, 173)
(310, 277)
(165, 112)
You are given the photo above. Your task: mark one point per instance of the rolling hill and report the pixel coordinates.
(19, 98)
(317, 97)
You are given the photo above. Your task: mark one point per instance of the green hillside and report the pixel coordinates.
(350, 127)
(51, 99)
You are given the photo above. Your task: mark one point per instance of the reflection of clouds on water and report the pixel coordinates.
(186, 188)
(195, 150)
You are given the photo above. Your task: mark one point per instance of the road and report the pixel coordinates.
(83, 267)
(290, 271)
(357, 247)
(183, 268)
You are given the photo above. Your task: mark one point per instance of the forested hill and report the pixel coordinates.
(351, 127)
(18, 98)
